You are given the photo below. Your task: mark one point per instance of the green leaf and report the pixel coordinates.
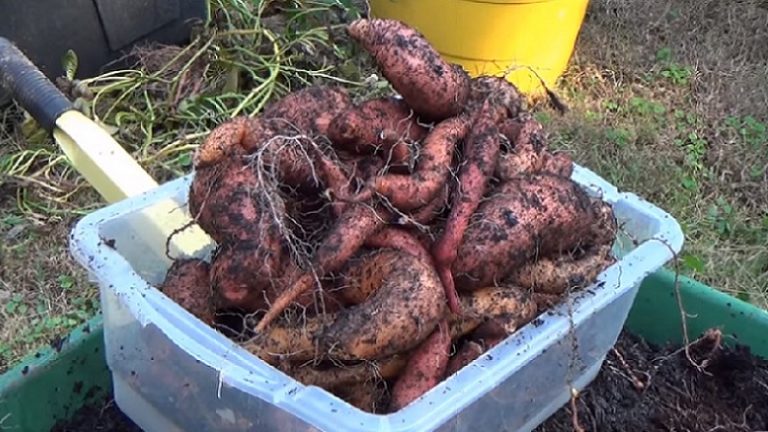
(70, 63)
(66, 281)
(693, 262)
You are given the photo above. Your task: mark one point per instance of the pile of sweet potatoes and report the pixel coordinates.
(374, 247)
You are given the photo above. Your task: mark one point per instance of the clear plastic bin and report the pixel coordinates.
(171, 372)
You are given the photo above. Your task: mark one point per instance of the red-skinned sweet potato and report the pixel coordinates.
(433, 166)
(481, 152)
(384, 125)
(531, 215)
(346, 236)
(227, 202)
(425, 369)
(435, 89)
(496, 89)
(186, 283)
(308, 110)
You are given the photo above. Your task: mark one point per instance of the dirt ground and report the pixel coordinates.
(647, 388)
(667, 99)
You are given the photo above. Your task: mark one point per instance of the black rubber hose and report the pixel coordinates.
(29, 87)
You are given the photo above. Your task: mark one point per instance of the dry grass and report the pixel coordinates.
(667, 100)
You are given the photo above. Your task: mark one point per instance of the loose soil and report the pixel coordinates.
(101, 416)
(641, 387)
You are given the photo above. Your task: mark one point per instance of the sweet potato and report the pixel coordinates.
(335, 377)
(555, 276)
(399, 239)
(186, 283)
(481, 152)
(384, 125)
(433, 166)
(466, 354)
(558, 163)
(531, 215)
(499, 90)
(425, 369)
(225, 141)
(363, 275)
(509, 306)
(227, 202)
(400, 314)
(291, 341)
(281, 151)
(308, 110)
(348, 234)
(366, 395)
(434, 89)
(527, 154)
(247, 275)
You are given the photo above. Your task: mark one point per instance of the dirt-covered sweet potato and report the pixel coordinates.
(527, 153)
(342, 241)
(496, 89)
(509, 306)
(555, 276)
(331, 378)
(480, 154)
(280, 153)
(290, 340)
(433, 167)
(527, 216)
(308, 110)
(466, 354)
(435, 89)
(425, 369)
(226, 139)
(384, 125)
(247, 275)
(400, 314)
(227, 202)
(186, 283)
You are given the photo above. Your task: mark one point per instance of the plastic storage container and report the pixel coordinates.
(526, 40)
(172, 373)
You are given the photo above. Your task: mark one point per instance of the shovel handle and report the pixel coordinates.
(31, 89)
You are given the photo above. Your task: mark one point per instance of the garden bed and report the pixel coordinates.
(641, 386)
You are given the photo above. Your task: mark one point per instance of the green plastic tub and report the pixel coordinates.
(50, 385)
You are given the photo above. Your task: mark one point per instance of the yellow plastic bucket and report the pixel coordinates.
(528, 41)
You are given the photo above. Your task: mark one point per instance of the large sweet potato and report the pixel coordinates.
(434, 89)
(186, 283)
(530, 215)
(227, 202)
(384, 125)
(308, 110)
(400, 314)
(555, 276)
(245, 275)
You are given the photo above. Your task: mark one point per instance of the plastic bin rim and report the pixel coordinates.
(86, 232)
